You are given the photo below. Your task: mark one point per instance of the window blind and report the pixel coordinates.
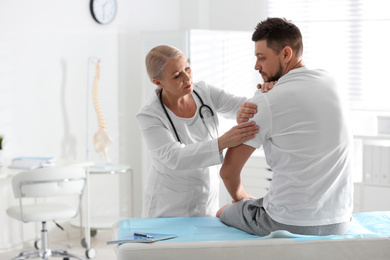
(224, 59)
(348, 38)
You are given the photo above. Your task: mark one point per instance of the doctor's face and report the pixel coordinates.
(268, 63)
(177, 80)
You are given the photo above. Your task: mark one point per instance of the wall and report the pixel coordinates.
(229, 15)
(44, 51)
(45, 47)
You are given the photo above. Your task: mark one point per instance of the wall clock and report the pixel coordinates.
(103, 11)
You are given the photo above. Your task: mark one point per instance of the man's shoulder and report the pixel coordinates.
(258, 96)
(306, 71)
(302, 76)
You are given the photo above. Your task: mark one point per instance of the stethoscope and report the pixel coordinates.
(201, 108)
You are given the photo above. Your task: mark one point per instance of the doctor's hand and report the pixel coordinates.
(237, 135)
(246, 111)
(266, 86)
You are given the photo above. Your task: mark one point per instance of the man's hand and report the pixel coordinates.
(246, 111)
(247, 196)
(266, 86)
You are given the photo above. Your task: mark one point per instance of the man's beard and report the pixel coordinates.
(277, 76)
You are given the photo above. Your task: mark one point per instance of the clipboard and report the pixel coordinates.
(141, 237)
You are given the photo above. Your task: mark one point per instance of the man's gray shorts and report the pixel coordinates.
(250, 216)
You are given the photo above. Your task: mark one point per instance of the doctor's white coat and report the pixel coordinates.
(183, 179)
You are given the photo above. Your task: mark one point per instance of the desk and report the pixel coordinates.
(6, 172)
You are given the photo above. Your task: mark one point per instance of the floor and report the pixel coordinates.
(71, 240)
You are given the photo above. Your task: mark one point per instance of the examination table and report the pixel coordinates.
(206, 238)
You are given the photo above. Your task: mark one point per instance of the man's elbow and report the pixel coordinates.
(225, 172)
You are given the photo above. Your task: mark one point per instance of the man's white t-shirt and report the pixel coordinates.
(305, 132)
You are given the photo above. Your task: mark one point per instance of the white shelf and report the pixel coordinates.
(372, 137)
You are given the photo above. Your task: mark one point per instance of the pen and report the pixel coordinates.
(142, 235)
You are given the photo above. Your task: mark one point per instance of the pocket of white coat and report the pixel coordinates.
(173, 203)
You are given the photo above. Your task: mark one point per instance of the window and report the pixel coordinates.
(224, 59)
(348, 38)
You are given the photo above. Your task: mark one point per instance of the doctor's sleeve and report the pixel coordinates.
(225, 103)
(164, 147)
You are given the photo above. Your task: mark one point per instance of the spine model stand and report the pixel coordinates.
(101, 139)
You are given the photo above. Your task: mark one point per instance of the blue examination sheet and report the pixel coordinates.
(364, 225)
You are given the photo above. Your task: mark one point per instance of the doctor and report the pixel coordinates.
(180, 127)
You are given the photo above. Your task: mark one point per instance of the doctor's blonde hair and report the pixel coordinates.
(157, 59)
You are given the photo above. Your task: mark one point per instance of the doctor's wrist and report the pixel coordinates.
(221, 144)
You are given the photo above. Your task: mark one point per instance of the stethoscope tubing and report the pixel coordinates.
(200, 113)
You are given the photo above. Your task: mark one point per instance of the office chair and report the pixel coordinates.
(63, 183)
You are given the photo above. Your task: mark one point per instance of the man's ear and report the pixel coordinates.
(287, 53)
(157, 82)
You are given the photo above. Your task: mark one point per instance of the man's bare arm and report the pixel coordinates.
(230, 172)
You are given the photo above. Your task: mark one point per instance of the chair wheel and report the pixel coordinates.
(36, 245)
(84, 243)
(93, 232)
(90, 253)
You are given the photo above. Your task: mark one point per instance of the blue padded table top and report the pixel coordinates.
(364, 225)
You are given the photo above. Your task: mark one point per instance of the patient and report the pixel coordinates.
(307, 143)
